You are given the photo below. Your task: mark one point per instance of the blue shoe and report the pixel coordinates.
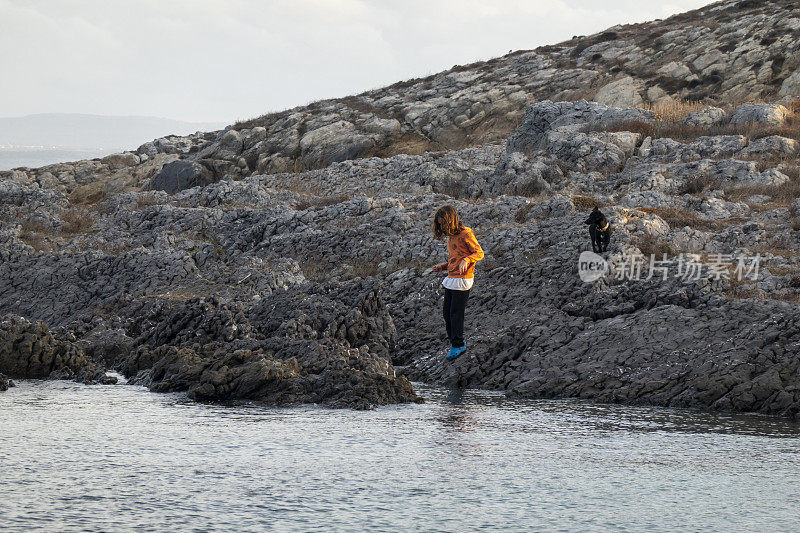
(455, 352)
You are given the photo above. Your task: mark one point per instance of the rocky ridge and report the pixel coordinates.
(724, 54)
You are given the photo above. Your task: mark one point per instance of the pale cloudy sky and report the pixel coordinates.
(222, 60)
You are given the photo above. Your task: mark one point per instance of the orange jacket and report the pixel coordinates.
(463, 246)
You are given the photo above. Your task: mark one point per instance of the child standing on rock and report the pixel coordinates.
(464, 251)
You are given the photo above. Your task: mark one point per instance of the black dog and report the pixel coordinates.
(600, 230)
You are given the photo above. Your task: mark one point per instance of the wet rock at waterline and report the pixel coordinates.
(324, 345)
(5, 383)
(31, 351)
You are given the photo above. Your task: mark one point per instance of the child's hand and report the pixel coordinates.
(463, 266)
(437, 269)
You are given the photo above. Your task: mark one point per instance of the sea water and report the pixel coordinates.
(120, 458)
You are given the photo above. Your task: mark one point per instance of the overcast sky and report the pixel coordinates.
(222, 60)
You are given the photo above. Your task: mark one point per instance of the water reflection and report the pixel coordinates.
(456, 415)
(457, 420)
(600, 419)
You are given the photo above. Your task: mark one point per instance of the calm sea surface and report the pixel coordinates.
(119, 458)
(10, 158)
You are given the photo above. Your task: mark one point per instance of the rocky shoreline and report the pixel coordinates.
(31, 351)
(201, 265)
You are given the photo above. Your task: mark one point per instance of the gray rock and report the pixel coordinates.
(767, 114)
(123, 160)
(652, 199)
(713, 147)
(706, 117)
(565, 117)
(714, 208)
(181, 175)
(676, 70)
(30, 351)
(772, 146)
(759, 199)
(586, 152)
(772, 177)
(624, 92)
(689, 240)
(791, 85)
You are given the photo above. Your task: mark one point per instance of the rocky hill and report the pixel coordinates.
(201, 264)
(725, 54)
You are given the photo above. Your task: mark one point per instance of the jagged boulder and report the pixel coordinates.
(303, 348)
(181, 175)
(624, 92)
(518, 174)
(773, 146)
(713, 208)
(676, 70)
(5, 383)
(791, 85)
(706, 117)
(711, 147)
(564, 118)
(334, 142)
(726, 358)
(603, 152)
(29, 350)
(173, 144)
(767, 114)
(334, 376)
(651, 199)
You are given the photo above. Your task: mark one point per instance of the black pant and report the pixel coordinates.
(454, 304)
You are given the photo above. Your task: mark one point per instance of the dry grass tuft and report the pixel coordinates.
(766, 163)
(361, 268)
(33, 234)
(698, 185)
(679, 218)
(650, 245)
(76, 221)
(737, 292)
(586, 203)
(782, 195)
(146, 200)
(667, 124)
(792, 170)
(319, 270)
(531, 189)
(675, 110)
(315, 270)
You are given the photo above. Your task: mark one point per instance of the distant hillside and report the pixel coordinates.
(78, 131)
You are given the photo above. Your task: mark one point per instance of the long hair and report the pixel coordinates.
(446, 222)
